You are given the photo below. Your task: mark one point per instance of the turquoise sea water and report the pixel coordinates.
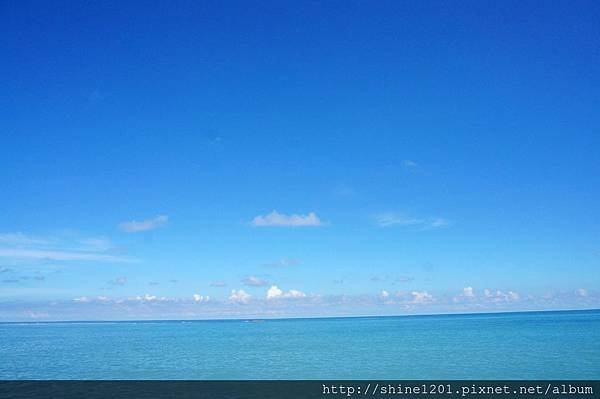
(540, 345)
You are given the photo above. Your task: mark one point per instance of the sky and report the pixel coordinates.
(224, 159)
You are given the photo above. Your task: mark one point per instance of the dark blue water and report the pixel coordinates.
(544, 345)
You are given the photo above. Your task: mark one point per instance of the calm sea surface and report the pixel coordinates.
(544, 345)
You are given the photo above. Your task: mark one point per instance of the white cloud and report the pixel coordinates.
(275, 292)
(254, 281)
(200, 298)
(239, 296)
(277, 219)
(395, 219)
(421, 297)
(582, 292)
(468, 292)
(144, 225)
(384, 294)
(218, 283)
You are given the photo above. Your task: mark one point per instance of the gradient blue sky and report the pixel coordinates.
(430, 151)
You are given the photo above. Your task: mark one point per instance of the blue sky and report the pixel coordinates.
(298, 159)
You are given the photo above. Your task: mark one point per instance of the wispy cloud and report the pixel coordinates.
(218, 283)
(135, 226)
(397, 219)
(499, 296)
(146, 298)
(59, 247)
(410, 165)
(25, 278)
(391, 279)
(22, 239)
(254, 281)
(97, 244)
(276, 219)
(82, 299)
(282, 263)
(37, 254)
(343, 190)
(119, 281)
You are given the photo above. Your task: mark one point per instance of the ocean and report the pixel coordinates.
(529, 345)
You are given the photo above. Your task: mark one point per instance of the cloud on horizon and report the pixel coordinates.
(239, 296)
(278, 303)
(200, 298)
(275, 292)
